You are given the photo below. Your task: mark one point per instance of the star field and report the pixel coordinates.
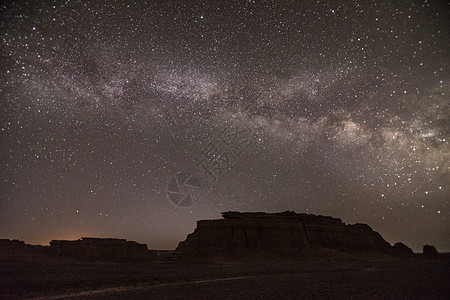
(328, 107)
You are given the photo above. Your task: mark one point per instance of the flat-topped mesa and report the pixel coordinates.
(108, 249)
(284, 215)
(279, 235)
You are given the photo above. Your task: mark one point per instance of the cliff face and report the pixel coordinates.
(279, 234)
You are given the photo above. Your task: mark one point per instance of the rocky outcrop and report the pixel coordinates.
(101, 249)
(430, 251)
(401, 249)
(287, 234)
(12, 245)
(13, 248)
(88, 249)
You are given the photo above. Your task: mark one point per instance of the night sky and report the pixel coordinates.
(134, 120)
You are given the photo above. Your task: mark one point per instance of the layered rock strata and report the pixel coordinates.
(287, 234)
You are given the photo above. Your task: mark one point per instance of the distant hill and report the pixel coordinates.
(87, 249)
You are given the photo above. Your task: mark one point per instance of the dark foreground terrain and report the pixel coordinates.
(59, 279)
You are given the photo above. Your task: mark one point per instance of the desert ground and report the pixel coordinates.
(66, 279)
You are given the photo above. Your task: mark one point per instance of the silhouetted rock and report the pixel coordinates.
(101, 249)
(430, 251)
(9, 248)
(401, 249)
(280, 235)
(15, 250)
(11, 245)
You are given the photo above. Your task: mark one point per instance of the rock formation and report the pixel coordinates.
(105, 249)
(15, 250)
(12, 248)
(282, 235)
(88, 249)
(430, 251)
(402, 250)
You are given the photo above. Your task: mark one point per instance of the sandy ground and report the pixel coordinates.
(417, 279)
